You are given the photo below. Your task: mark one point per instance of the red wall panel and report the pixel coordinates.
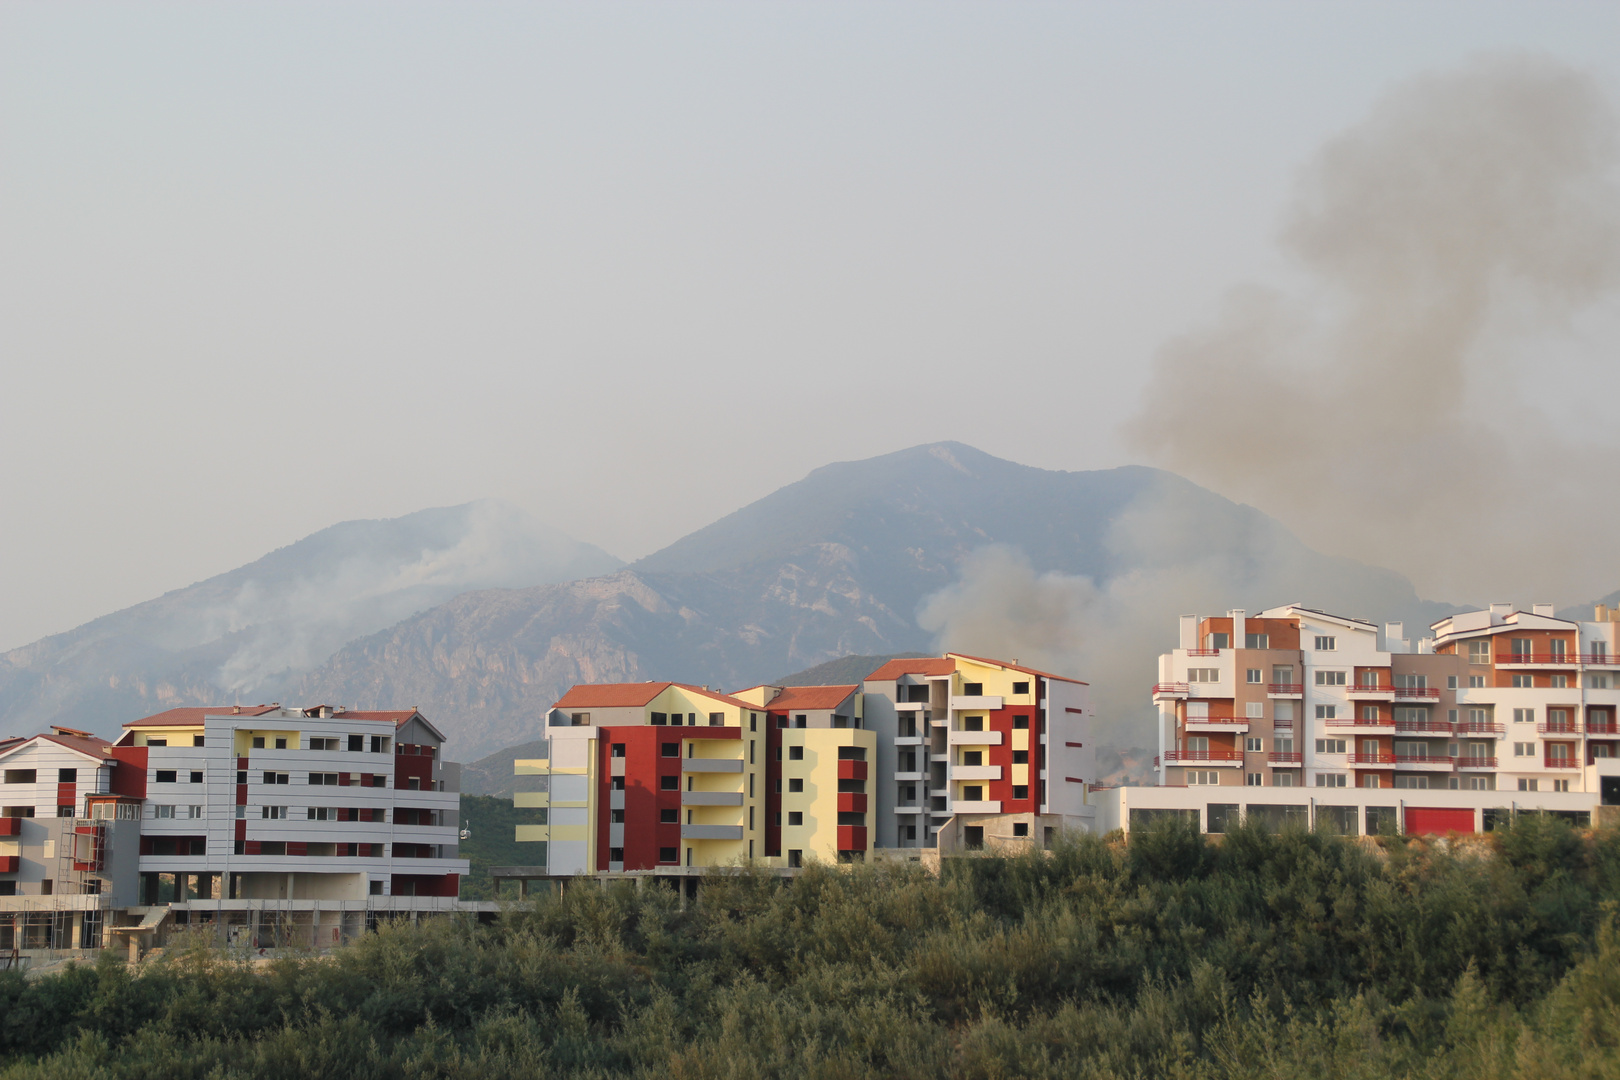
(1432, 820)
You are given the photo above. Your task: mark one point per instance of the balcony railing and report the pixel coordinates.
(1562, 763)
(1219, 718)
(1284, 758)
(1173, 757)
(1426, 693)
(1475, 761)
(1568, 727)
(1366, 689)
(1169, 688)
(1548, 658)
(1356, 721)
(1419, 760)
(1203, 652)
(1607, 727)
(1467, 727)
(1372, 759)
(1285, 688)
(1423, 727)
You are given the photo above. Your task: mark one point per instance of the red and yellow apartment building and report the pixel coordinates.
(669, 777)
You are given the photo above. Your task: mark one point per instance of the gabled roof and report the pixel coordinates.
(399, 717)
(1018, 667)
(97, 750)
(193, 716)
(810, 697)
(611, 695)
(920, 665)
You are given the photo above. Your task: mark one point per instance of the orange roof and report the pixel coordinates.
(922, 665)
(191, 717)
(398, 716)
(718, 696)
(611, 695)
(810, 697)
(1018, 667)
(92, 747)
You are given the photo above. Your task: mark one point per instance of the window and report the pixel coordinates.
(1559, 682)
(1251, 674)
(1254, 710)
(1523, 716)
(717, 719)
(157, 742)
(321, 813)
(1479, 652)
(1251, 779)
(1020, 757)
(1560, 785)
(1326, 644)
(670, 749)
(1198, 744)
(1327, 712)
(669, 783)
(1524, 749)
(1218, 641)
(660, 718)
(972, 689)
(795, 858)
(1020, 828)
(65, 811)
(1330, 779)
(197, 740)
(617, 750)
(328, 778)
(1411, 682)
(753, 721)
(1529, 785)
(1256, 641)
(1203, 674)
(1203, 778)
(1020, 688)
(973, 757)
(323, 744)
(273, 813)
(1369, 714)
(1597, 682)
(281, 744)
(1523, 682)
(615, 854)
(799, 720)
(1521, 650)
(795, 753)
(972, 793)
(1330, 746)
(1254, 746)
(1417, 782)
(615, 783)
(1476, 682)
(258, 742)
(669, 817)
(196, 776)
(1370, 780)
(1282, 779)
(615, 817)
(163, 776)
(67, 776)
(795, 817)
(1282, 745)
(1330, 678)
(1020, 791)
(163, 811)
(972, 723)
(796, 786)
(1451, 682)
(276, 777)
(1020, 723)
(379, 743)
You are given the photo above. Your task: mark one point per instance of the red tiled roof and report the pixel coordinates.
(192, 716)
(611, 695)
(1018, 667)
(398, 716)
(922, 665)
(717, 695)
(810, 697)
(99, 749)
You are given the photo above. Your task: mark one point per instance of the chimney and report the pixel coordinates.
(1239, 628)
(1499, 612)
(1189, 632)
(1542, 609)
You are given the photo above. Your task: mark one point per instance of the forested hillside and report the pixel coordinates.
(1293, 955)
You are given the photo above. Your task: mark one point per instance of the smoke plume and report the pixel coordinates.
(1446, 238)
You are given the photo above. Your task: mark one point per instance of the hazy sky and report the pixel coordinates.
(264, 268)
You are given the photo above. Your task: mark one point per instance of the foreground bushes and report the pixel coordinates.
(1292, 955)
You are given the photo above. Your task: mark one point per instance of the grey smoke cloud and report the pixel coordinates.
(1469, 215)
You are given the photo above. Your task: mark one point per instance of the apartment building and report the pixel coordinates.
(206, 814)
(1491, 700)
(955, 750)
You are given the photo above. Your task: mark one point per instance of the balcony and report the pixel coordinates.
(1607, 729)
(1203, 757)
(1425, 763)
(1427, 727)
(1356, 722)
(1601, 659)
(1475, 762)
(1562, 763)
(1285, 760)
(1495, 731)
(852, 838)
(9, 863)
(1285, 690)
(973, 738)
(851, 770)
(711, 798)
(1170, 690)
(1417, 693)
(1544, 659)
(711, 832)
(985, 702)
(1569, 727)
(11, 826)
(984, 806)
(851, 802)
(976, 772)
(1203, 652)
(1216, 723)
(1376, 691)
(711, 765)
(1381, 761)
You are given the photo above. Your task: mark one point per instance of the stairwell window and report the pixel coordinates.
(1330, 678)
(1218, 641)
(1330, 746)
(1251, 675)
(1257, 641)
(1529, 785)
(1204, 675)
(1327, 712)
(1479, 652)
(1326, 643)
(1476, 682)
(1522, 716)
(1330, 779)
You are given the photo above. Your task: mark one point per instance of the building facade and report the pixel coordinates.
(1492, 700)
(325, 815)
(670, 778)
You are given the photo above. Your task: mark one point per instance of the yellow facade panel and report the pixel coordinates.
(527, 833)
(530, 799)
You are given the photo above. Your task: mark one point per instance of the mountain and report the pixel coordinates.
(247, 635)
(1084, 570)
(842, 671)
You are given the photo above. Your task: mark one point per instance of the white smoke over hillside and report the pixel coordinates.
(1468, 217)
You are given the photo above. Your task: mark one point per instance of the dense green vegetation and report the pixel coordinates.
(1292, 955)
(492, 822)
